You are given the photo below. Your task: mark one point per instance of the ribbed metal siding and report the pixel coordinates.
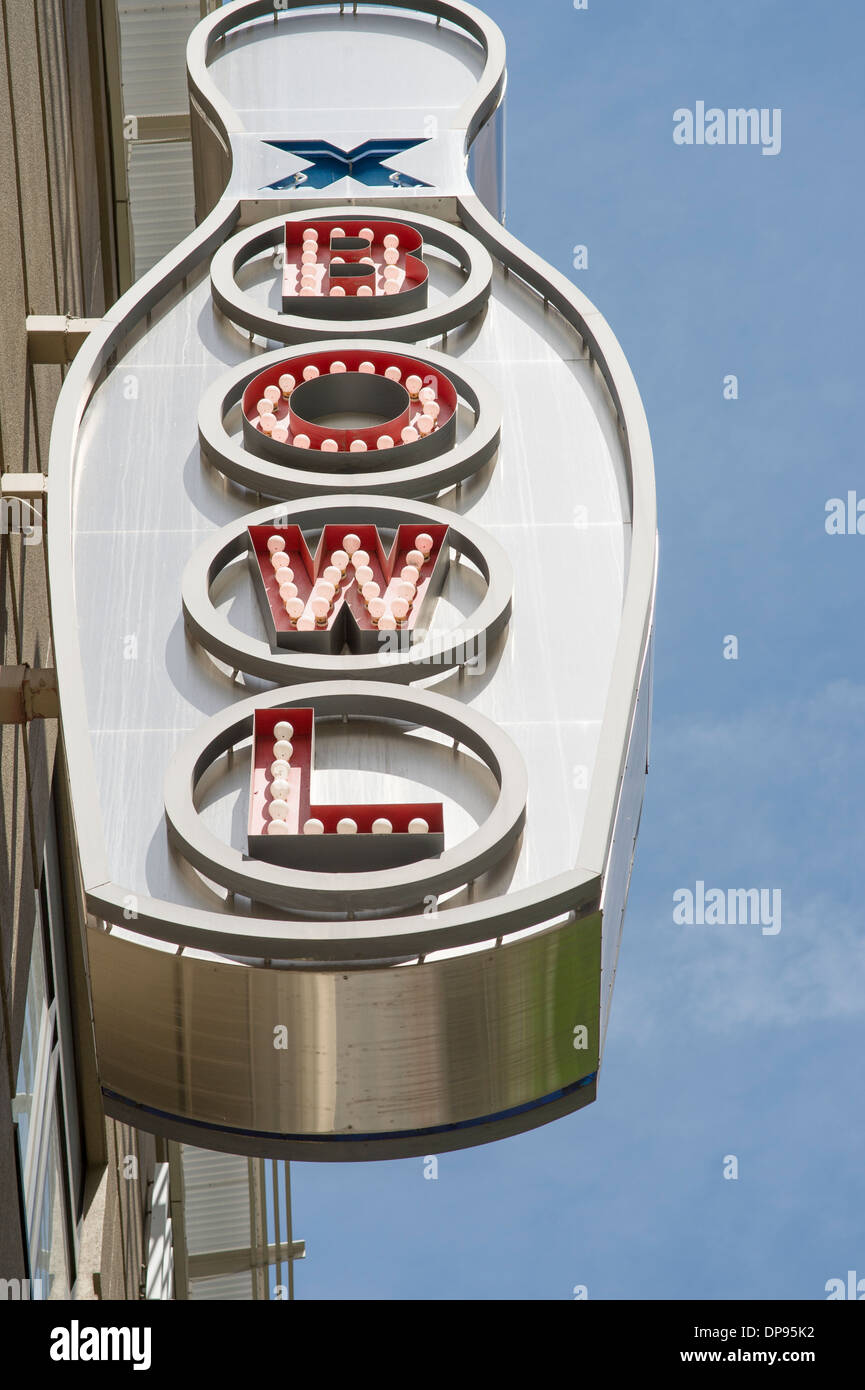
(153, 73)
(216, 1187)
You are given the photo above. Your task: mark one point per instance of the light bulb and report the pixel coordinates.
(391, 242)
(278, 827)
(286, 384)
(307, 290)
(363, 575)
(406, 591)
(282, 729)
(350, 543)
(391, 274)
(393, 373)
(376, 609)
(363, 292)
(381, 826)
(280, 768)
(415, 557)
(267, 423)
(337, 292)
(310, 245)
(423, 543)
(287, 591)
(368, 367)
(294, 607)
(280, 790)
(279, 560)
(329, 446)
(275, 543)
(413, 384)
(306, 624)
(337, 367)
(433, 409)
(409, 434)
(410, 573)
(283, 748)
(308, 282)
(360, 557)
(280, 434)
(391, 287)
(384, 441)
(301, 441)
(387, 622)
(418, 826)
(337, 260)
(346, 826)
(283, 575)
(310, 372)
(263, 407)
(390, 256)
(313, 827)
(310, 234)
(357, 446)
(336, 231)
(326, 589)
(367, 232)
(278, 810)
(370, 589)
(319, 607)
(333, 575)
(427, 394)
(308, 258)
(272, 394)
(339, 559)
(424, 424)
(399, 608)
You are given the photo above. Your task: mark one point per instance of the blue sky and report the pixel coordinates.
(706, 261)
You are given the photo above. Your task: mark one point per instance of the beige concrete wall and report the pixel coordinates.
(58, 257)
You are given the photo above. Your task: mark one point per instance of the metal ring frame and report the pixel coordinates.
(254, 657)
(280, 327)
(420, 479)
(382, 890)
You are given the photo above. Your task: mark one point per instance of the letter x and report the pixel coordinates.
(328, 162)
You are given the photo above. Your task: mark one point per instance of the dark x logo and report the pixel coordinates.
(329, 163)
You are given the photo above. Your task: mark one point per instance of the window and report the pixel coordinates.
(45, 1109)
